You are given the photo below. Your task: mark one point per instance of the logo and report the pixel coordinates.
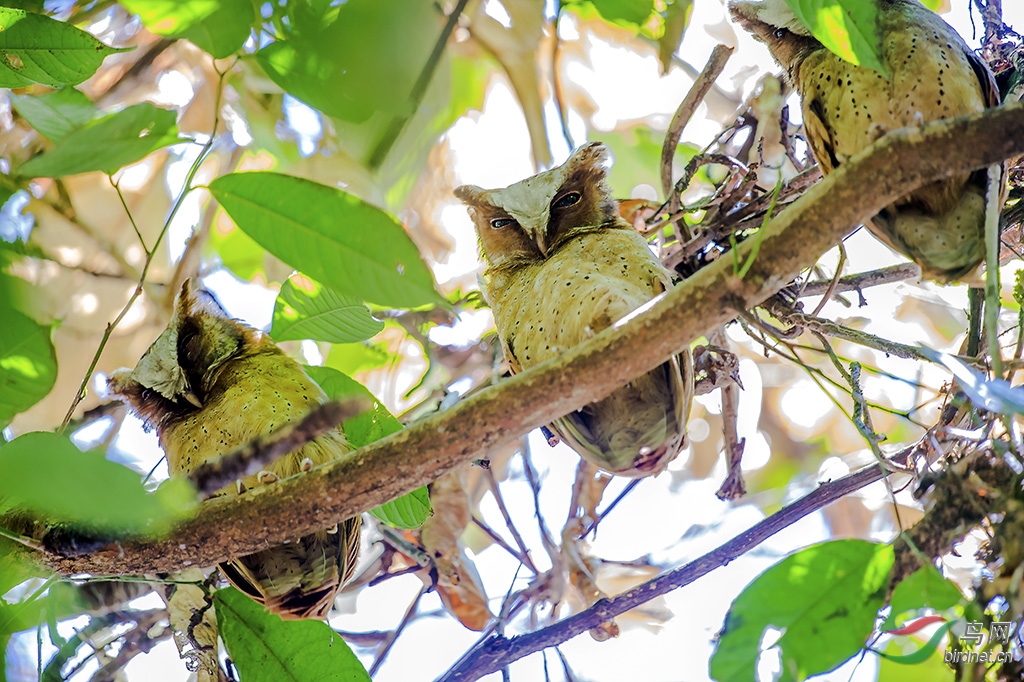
(970, 640)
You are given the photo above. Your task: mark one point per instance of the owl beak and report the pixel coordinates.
(542, 243)
(191, 397)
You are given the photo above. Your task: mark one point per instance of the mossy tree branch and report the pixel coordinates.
(264, 517)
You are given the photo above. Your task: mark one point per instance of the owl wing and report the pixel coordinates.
(575, 427)
(819, 136)
(680, 369)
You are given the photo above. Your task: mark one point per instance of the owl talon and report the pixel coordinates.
(876, 131)
(265, 477)
(240, 486)
(333, 530)
(552, 439)
(306, 464)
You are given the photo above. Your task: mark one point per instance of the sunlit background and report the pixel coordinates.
(614, 90)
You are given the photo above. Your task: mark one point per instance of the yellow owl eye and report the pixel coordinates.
(567, 200)
(499, 223)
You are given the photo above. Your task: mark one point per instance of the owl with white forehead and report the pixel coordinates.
(562, 265)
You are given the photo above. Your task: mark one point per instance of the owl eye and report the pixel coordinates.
(780, 33)
(499, 223)
(567, 200)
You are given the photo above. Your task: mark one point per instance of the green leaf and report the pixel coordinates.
(995, 395)
(107, 144)
(676, 19)
(220, 27)
(849, 28)
(350, 358)
(931, 669)
(28, 364)
(923, 588)
(46, 474)
(37, 49)
(238, 252)
(823, 600)
(265, 648)
(331, 236)
(357, 47)
(627, 13)
(307, 310)
(409, 510)
(56, 114)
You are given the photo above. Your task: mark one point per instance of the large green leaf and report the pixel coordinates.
(28, 364)
(848, 28)
(107, 144)
(409, 510)
(45, 473)
(370, 52)
(219, 27)
(56, 114)
(37, 49)
(628, 13)
(330, 235)
(923, 588)
(823, 600)
(307, 310)
(264, 647)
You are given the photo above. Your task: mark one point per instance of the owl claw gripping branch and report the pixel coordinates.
(932, 75)
(210, 384)
(562, 266)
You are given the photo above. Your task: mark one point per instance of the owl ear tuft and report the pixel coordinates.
(593, 154)
(469, 194)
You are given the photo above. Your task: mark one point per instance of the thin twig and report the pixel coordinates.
(864, 280)
(257, 453)
(732, 487)
(500, 541)
(527, 561)
(389, 641)
(498, 651)
(839, 331)
(716, 63)
(419, 88)
(992, 302)
(186, 189)
(834, 283)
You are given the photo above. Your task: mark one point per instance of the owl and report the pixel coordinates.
(210, 384)
(562, 266)
(932, 75)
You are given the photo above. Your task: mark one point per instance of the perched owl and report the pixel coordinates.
(562, 266)
(209, 384)
(932, 75)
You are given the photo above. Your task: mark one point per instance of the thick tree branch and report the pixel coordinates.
(258, 453)
(270, 515)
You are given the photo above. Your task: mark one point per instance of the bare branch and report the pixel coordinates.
(270, 515)
(498, 651)
(258, 453)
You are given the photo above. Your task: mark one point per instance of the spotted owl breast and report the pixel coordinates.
(253, 395)
(588, 284)
(930, 77)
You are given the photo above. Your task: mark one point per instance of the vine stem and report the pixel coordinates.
(150, 253)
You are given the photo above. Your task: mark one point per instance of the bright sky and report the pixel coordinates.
(492, 150)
